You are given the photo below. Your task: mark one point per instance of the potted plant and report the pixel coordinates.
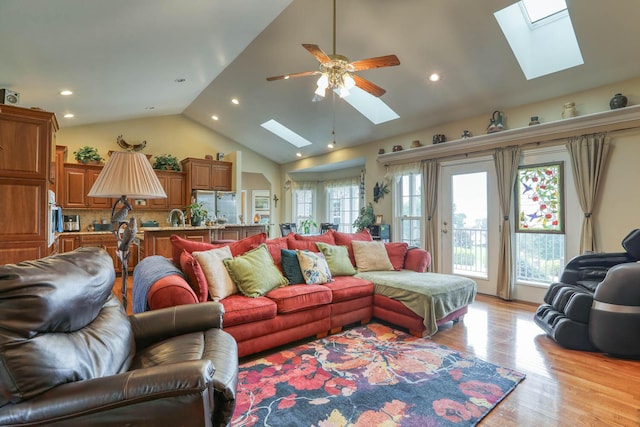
(197, 213)
(87, 154)
(366, 218)
(166, 162)
(306, 225)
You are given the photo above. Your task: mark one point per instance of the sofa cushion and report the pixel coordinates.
(303, 245)
(254, 272)
(290, 299)
(337, 259)
(346, 239)
(314, 267)
(238, 247)
(239, 309)
(291, 266)
(397, 251)
(371, 256)
(417, 259)
(275, 246)
(219, 281)
(324, 237)
(195, 275)
(345, 288)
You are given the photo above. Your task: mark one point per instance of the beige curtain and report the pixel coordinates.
(506, 163)
(430, 169)
(588, 157)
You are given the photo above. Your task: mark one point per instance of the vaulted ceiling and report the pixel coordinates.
(126, 59)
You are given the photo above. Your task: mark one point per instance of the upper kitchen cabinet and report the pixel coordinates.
(26, 137)
(203, 174)
(77, 181)
(173, 185)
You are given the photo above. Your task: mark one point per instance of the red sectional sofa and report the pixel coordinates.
(286, 313)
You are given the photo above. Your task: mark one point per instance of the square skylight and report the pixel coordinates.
(540, 9)
(285, 133)
(544, 42)
(372, 107)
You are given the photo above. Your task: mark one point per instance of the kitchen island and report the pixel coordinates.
(157, 239)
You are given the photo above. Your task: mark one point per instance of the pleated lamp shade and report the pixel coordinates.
(128, 173)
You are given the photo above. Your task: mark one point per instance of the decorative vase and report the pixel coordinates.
(415, 144)
(534, 121)
(569, 110)
(439, 138)
(381, 151)
(618, 101)
(465, 134)
(196, 221)
(256, 218)
(397, 148)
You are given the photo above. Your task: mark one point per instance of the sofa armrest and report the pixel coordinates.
(417, 259)
(128, 396)
(170, 291)
(157, 325)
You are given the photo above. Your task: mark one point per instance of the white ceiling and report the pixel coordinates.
(121, 58)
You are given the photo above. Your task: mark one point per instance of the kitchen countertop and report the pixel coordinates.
(164, 228)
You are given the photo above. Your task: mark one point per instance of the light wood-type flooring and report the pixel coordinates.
(562, 388)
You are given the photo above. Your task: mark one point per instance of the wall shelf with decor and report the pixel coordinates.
(548, 133)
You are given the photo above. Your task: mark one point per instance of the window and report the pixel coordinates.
(343, 204)
(540, 241)
(302, 204)
(409, 207)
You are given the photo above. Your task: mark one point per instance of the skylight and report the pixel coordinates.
(541, 37)
(285, 133)
(372, 107)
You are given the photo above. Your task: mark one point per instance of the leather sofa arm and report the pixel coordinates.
(127, 396)
(417, 259)
(157, 325)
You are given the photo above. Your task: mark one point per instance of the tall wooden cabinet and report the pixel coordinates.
(26, 140)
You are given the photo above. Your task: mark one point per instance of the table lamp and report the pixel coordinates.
(126, 174)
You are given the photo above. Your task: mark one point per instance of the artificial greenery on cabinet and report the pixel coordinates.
(166, 162)
(87, 154)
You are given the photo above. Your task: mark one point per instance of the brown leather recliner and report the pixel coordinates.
(69, 354)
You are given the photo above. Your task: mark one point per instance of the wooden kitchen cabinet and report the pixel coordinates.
(173, 185)
(26, 136)
(231, 232)
(203, 174)
(70, 241)
(77, 181)
(159, 243)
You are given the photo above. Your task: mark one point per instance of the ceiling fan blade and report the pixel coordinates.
(368, 86)
(378, 62)
(290, 76)
(315, 50)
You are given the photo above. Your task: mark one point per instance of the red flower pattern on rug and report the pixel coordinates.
(368, 376)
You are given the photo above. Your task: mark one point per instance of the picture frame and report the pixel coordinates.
(379, 219)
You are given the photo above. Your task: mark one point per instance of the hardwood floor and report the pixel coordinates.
(562, 388)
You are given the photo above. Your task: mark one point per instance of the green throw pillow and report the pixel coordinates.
(254, 272)
(337, 258)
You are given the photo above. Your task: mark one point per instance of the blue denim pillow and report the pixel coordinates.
(291, 266)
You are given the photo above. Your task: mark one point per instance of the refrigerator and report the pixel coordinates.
(224, 204)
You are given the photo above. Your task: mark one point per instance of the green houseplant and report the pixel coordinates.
(197, 213)
(166, 162)
(366, 218)
(306, 225)
(87, 154)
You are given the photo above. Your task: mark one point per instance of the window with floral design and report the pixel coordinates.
(539, 199)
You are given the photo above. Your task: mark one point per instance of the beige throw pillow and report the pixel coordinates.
(371, 256)
(218, 280)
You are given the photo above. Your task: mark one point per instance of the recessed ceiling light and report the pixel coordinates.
(181, 80)
(66, 92)
(69, 116)
(299, 154)
(434, 77)
(235, 101)
(214, 117)
(149, 108)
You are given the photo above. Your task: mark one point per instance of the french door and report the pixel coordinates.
(468, 215)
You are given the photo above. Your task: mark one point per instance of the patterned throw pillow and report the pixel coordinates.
(314, 268)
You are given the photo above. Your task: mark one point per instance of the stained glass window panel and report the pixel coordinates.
(539, 198)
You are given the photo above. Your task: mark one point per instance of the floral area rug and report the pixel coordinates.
(369, 376)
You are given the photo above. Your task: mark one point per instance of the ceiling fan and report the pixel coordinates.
(336, 72)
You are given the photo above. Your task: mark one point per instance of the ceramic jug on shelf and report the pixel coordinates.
(495, 122)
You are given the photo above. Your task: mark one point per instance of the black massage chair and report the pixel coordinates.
(596, 304)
